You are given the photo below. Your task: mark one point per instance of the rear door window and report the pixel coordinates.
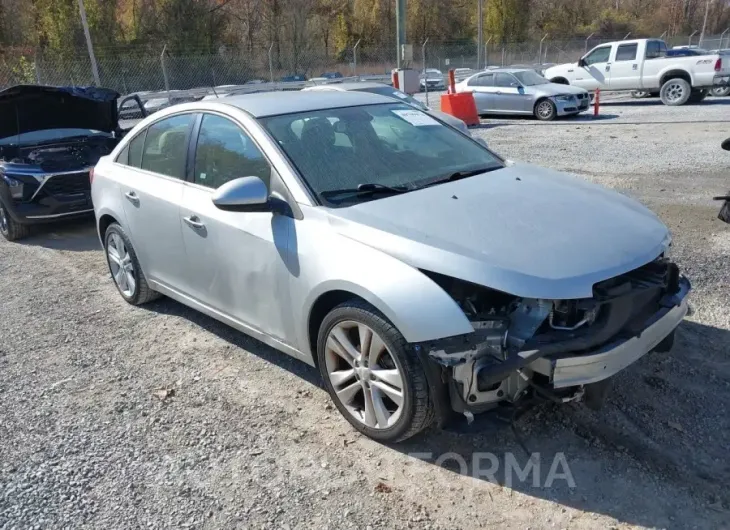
(626, 52)
(135, 150)
(166, 146)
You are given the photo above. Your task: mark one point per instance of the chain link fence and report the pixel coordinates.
(130, 70)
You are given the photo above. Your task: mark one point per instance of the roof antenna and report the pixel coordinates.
(214, 92)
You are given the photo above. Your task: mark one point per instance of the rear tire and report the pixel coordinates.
(124, 267)
(545, 110)
(675, 92)
(388, 415)
(720, 92)
(10, 228)
(640, 94)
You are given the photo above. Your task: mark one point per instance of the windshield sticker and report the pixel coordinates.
(415, 117)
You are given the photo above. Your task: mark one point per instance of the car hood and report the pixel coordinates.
(556, 89)
(27, 108)
(524, 230)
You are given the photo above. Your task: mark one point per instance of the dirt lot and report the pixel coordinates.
(113, 416)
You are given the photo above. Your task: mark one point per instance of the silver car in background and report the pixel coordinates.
(422, 274)
(523, 91)
(391, 92)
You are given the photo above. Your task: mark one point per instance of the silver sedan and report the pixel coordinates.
(422, 274)
(523, 91)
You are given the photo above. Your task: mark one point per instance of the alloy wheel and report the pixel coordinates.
(545, 109)
(675, 92)
(364, 375)
(120, 263)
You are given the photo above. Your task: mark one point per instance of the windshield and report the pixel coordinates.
(530, 78)
(395, 93)
(37, 137)
(384, 145)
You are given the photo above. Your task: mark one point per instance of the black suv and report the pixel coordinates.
(50, 139)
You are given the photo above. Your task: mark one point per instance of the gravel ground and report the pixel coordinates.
(120, 417)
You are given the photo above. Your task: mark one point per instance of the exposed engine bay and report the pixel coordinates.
(516, 341)
(65, 155)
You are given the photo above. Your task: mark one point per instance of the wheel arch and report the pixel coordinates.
(559, 80)
(675, 73)
(428, 313)
(105, 220)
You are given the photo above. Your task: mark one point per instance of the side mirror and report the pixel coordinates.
(245, 194)
(482, 141)
(581, 62)
(726, 144)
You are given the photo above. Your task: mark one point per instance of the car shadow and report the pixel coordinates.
(656, 102)
(78, 235)
(584, 460)
(167, 306)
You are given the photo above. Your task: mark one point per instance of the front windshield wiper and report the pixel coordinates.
(368, 188)
(458, 175)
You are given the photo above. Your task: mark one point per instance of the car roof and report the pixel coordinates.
(504, 70)
(352, 85)
(274, 103)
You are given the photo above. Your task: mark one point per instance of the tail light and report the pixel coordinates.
(718, 64)
(91, 175)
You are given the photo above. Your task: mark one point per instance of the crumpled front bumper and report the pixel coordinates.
(572, 106)
(583, 369)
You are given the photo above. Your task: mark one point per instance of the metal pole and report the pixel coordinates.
(164, 71)
(425, 76)
(37, 68)
(690, 37)
(486, 52)
(587, 39)
(539, 54)
(480, 31)
(354, 57)
(400, 24)
(722, 36)
(704, 23)
(271, 63)
(92, 57)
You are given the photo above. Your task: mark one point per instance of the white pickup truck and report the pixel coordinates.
(642, 65)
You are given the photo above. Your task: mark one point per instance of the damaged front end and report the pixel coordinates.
(50, 139)
(554, 349)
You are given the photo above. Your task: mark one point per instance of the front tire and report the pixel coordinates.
(675, 92)
(124, 267)
(375, 380)
(545, 110)
(10, 229)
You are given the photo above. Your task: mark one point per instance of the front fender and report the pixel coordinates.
(415, 304)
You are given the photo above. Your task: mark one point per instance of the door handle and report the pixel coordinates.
(608, 68)
(194, 221)
(132, 197)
